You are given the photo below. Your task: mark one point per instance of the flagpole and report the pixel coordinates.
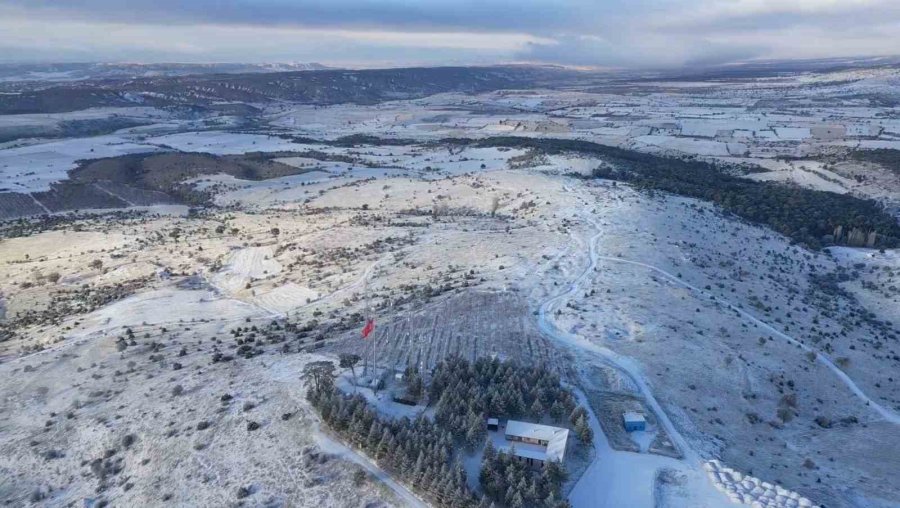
(367, 317)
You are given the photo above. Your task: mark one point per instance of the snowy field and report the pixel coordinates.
(159, 359)
(34, 167)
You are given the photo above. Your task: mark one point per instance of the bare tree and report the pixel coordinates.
(321, 373)
(349, 361)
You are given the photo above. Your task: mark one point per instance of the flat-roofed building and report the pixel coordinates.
(634, 421)
(535, 444)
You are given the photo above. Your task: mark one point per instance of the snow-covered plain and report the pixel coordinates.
(708, 321)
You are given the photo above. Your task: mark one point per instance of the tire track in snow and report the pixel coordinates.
(609, 463)
(624, 364)
(886, 413)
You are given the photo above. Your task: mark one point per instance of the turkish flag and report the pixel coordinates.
(370, 325)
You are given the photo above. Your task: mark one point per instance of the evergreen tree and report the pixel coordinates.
(584, 431)
(537, 409)
(556, 411)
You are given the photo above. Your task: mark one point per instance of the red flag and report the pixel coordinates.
(370, 325)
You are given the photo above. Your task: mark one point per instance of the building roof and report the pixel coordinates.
(493, 421)
(523, 450)
(633, 417)
(555, 437)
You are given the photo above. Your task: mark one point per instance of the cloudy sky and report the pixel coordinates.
(373, 33)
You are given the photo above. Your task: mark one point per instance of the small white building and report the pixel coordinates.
(634, 421)
(535, 444)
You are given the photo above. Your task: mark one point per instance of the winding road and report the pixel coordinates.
(622, 363)
(620, 478)
(327, 444)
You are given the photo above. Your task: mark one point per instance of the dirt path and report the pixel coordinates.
(335, 447)
(622, 363)
(617, 477)
(101, 189)
(886, 413)
(593, 489)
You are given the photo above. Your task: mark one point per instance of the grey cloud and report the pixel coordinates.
(833, 17)
(461, 15)
(640, 52)
(627, 33)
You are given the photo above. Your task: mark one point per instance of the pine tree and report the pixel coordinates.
(584, 431)
(575, 414)
(476, 431)
(554, 473)
(537, 410)
(510, 494)
(532, 495)
(383, 444)
(419, 468)
(556, 411)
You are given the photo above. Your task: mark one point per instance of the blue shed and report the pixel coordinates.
(634, 421)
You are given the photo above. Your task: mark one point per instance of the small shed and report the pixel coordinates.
(493, 424)
(634, 421)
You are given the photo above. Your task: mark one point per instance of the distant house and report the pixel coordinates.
(535, 444)
(493, 424)
(634, 421)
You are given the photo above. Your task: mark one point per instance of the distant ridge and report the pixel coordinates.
(63, 72)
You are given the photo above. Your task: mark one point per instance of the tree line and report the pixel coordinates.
(425, 453)
(418, 452)
(464, 394)
(806, 216)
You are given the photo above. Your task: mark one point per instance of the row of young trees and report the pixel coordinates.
(418, 452)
